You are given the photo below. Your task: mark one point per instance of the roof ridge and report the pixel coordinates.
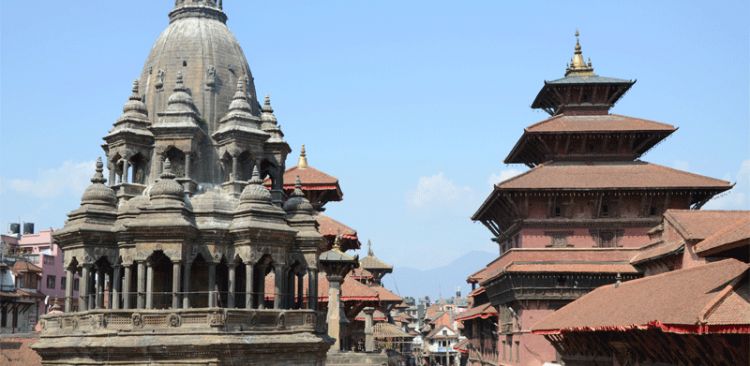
(526, 129)
(497, 185)
(681, 271)
(714, 303)
(644, 119)
(688, 173)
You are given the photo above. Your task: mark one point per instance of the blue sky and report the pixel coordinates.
(412, 105)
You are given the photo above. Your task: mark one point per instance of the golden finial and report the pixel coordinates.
(302, 163)
(577, 66)
(337, 243)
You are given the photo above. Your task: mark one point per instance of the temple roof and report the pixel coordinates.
(384, 330)
(385, 295)
(597, 123)
(658, 249)
(373, 263)
(559, 260)
(704, 299)
(330, 228)
(699, 225)
(325, 187)
(482, 311)
(377, 316)
(735, 234)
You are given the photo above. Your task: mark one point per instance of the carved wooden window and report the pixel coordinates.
(558, 238)
(607, 239)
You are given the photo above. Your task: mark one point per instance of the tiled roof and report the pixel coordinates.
(377, 316)
(597, 123)
(559, 259)
(701, 299)
(24, 266)
(700, 224)
(387, 330)
(657, 250)
(312, 179)
(633, 175)
(462, 346)
(735, 234)
(330, 227)
(372, 262)
(360, 273)
(386, 295)
(483, 311)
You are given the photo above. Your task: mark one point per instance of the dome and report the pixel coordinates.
(297, 201)
(198, 44)
(255, 191)
(167, 186)
(98, 192)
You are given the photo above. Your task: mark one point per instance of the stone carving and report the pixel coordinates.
(253, 319)
(216, 319)
(174, 320)
(159, 79)
(210, 77)
(281, 321)
(137, 320)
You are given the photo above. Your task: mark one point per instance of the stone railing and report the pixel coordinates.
(208, 320)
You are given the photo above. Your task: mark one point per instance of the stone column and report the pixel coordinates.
(249, 277)
(279, 288)
(175, 284)
(211, 285)
(125, 164)
(83, 290)
(141, 285)
(186, 285)
(116, 288)
(300, 290)
(127, 288)
(69, 289)
(99, 297)
(312, 290)
(369, 332)
(111, 174)
(149, 285)
(334, 300)
(187, 165)
(235, 162)
(91, 293)
(231, 277)
(262, 288)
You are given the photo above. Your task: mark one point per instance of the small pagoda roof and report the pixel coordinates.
(373, 263)
(559, 260)
(385, 295)
(377, 316)
(384, 330)
(360, 273)
(312, 180)
(699, 300)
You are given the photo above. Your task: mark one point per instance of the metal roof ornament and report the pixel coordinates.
(302, 163)
(577, 66)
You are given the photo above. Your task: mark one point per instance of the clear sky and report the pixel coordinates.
(411, 104)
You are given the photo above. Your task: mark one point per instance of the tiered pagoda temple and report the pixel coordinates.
(173, 250)
(572, 222)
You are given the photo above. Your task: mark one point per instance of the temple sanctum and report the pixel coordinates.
(172, 251)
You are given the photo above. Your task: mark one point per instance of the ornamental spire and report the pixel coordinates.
(577, 66)
(302, 163)
(98, 176)
(370, 253)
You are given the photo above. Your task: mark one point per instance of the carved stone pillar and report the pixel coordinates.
(278, 296)
(369, 332)
(211, 285)
(262, 287)
(231, 282)
(116, 288)
(188, 159)
(300, 290)
(186, 285)
(175, 284)
(141, 284)
(334, 300)
(312, 289)
(68, 290)
(125, 164)
(249, 285)
(127, 288)
(83, 290)
(112, 174)
(235, 163)
(149, 285)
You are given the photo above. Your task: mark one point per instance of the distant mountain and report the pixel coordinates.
(438, 281)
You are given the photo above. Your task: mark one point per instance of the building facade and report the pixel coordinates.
(572, 222)
(174, 249)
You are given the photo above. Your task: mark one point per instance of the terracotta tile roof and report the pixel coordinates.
(598, 123)
(562, 259)
(658, 250)
(312, 179)
(387, 330)
(734, 235)
(360, 273)
(483, 311)
(24, 266)
(571, 267)
(477, 291)
(330, 227)
(682, 301)
(635, 175)
(700, 224)
(462, 346)
(386, 295)
(438, 334)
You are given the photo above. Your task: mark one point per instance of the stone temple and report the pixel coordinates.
(171, 252)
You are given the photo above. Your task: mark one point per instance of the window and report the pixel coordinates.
(51, 280)
(606, 239)
(63, 282)
(75, 284)
(48, 259)
(605, 209)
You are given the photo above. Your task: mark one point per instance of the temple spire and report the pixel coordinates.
(577, 66)
(99, 176)
(198, 8)
(302, 163)
(370, 253)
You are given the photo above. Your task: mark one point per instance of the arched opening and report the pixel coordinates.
(162, 280)
(99, 284)
(222, 279)
(264, 290)
(244, 166)
(240, 299)
(177, 159)
(226, 167)
(137, 173)
(198, 283)
(115, 164)
(295, 286)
